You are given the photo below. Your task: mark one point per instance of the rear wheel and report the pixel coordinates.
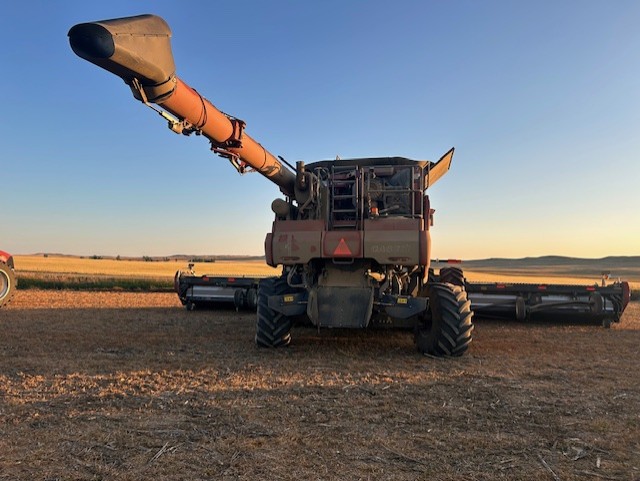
(273, 329)
(7, 284)
(446, 330)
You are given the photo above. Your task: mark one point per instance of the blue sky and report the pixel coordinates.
(540, 99)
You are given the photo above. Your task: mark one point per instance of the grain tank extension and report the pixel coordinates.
(352, 236)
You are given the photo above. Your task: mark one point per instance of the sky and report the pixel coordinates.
(540, 99)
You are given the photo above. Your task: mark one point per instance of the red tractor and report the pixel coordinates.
(7, 278)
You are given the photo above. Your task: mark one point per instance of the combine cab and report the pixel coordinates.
(8, 281)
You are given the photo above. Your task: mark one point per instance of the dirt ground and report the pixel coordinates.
(132, 386)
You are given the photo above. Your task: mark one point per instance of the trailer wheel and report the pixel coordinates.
(273, 329)
(596, 303)
(239, 299)
(452, 275)
(252, 299)
(447, 330)
(7, 284)
(521, 309)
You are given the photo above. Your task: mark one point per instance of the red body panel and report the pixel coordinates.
(392, 240)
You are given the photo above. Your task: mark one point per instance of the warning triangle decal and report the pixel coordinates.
(342, 249)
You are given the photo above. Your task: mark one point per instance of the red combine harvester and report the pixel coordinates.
(8, 281)
(352, 235)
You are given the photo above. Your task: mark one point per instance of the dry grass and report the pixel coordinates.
(132, 386)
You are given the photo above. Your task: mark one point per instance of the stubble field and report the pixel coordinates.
(118, 385)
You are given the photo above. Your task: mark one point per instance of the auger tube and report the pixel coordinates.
(138, 50)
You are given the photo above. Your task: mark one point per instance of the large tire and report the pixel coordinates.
(273, 329)
(447, 330)
(7, 284)
(452, 275)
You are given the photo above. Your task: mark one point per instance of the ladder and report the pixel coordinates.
(346, 204)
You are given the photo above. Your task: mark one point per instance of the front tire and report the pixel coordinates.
(447, 330)
(273, 329)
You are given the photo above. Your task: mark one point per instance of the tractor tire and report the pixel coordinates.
(7, 284)
(447, 330)
(273, 329)
(452, 275)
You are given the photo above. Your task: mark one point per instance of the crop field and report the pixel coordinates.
(130, 385)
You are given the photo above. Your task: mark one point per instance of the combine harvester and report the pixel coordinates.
(352, 236)
(7, 278)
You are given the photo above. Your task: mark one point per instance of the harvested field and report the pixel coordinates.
(132, 386)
